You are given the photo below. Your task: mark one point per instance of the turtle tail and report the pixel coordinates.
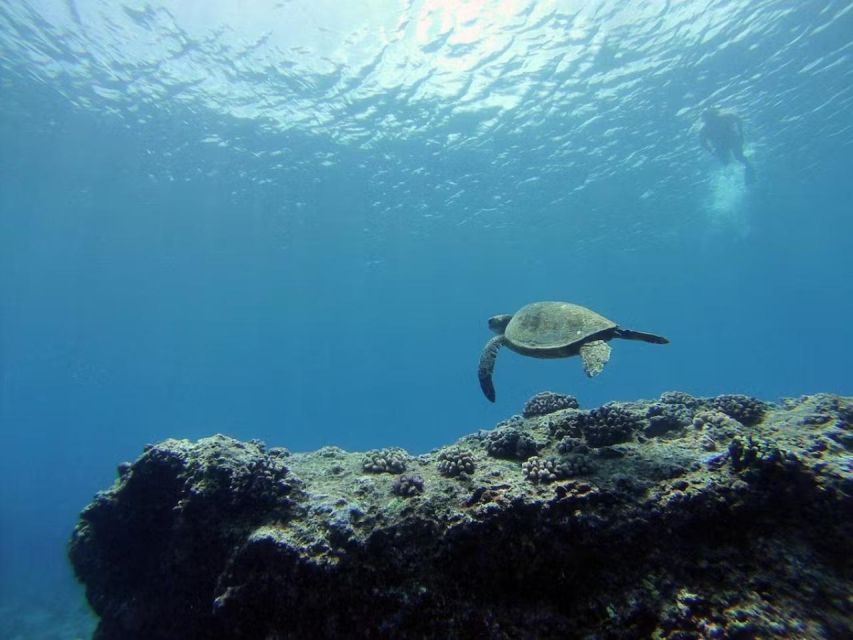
(628, 334)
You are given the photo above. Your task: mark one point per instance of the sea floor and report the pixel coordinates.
(65, 618)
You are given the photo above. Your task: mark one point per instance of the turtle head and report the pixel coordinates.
(498, 323)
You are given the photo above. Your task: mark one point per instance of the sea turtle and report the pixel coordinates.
(554, 330)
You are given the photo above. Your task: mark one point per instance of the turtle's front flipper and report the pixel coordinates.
(628, 334)
(487, 366)
(595, 355)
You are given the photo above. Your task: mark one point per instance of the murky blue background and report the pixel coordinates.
(290, 221)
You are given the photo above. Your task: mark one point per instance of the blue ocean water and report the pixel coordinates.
(291, 220)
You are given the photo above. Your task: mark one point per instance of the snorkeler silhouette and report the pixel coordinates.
(722, 135)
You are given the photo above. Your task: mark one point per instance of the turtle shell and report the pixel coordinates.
(554, 325)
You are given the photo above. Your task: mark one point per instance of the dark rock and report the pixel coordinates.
(166, 529)
(220, 539)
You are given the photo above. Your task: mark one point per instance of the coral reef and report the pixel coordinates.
(568, 422)
(511, 443)
(454, 462)
(744, 409)
(716, 427)
(569, 444)
(748, 452)
(391, 460)
(608, 425)
(408, 485)
(689, 523)
(664, 417)
(548, 402)
(680, 398)
(537, 469)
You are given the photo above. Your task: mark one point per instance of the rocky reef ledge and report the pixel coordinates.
(681, 518)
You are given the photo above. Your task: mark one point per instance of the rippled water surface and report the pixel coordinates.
(290, 220)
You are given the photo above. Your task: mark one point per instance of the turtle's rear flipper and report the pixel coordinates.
(628, 334)
(595, 355)
(487, 366)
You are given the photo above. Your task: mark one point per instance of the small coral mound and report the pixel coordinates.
(717, 428)
(510, 443)
(538, 469)
(570, 444)
(408, 485)
(744, 409)
(390, 460)
(575, 466)
(664, 417)
(544, 470)
(748, 452)
(566, 423)
(681, 398)
(454, 462)
(608, 425)
(717, 424)
(548, 402)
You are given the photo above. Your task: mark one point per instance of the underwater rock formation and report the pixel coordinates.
(669, 519)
